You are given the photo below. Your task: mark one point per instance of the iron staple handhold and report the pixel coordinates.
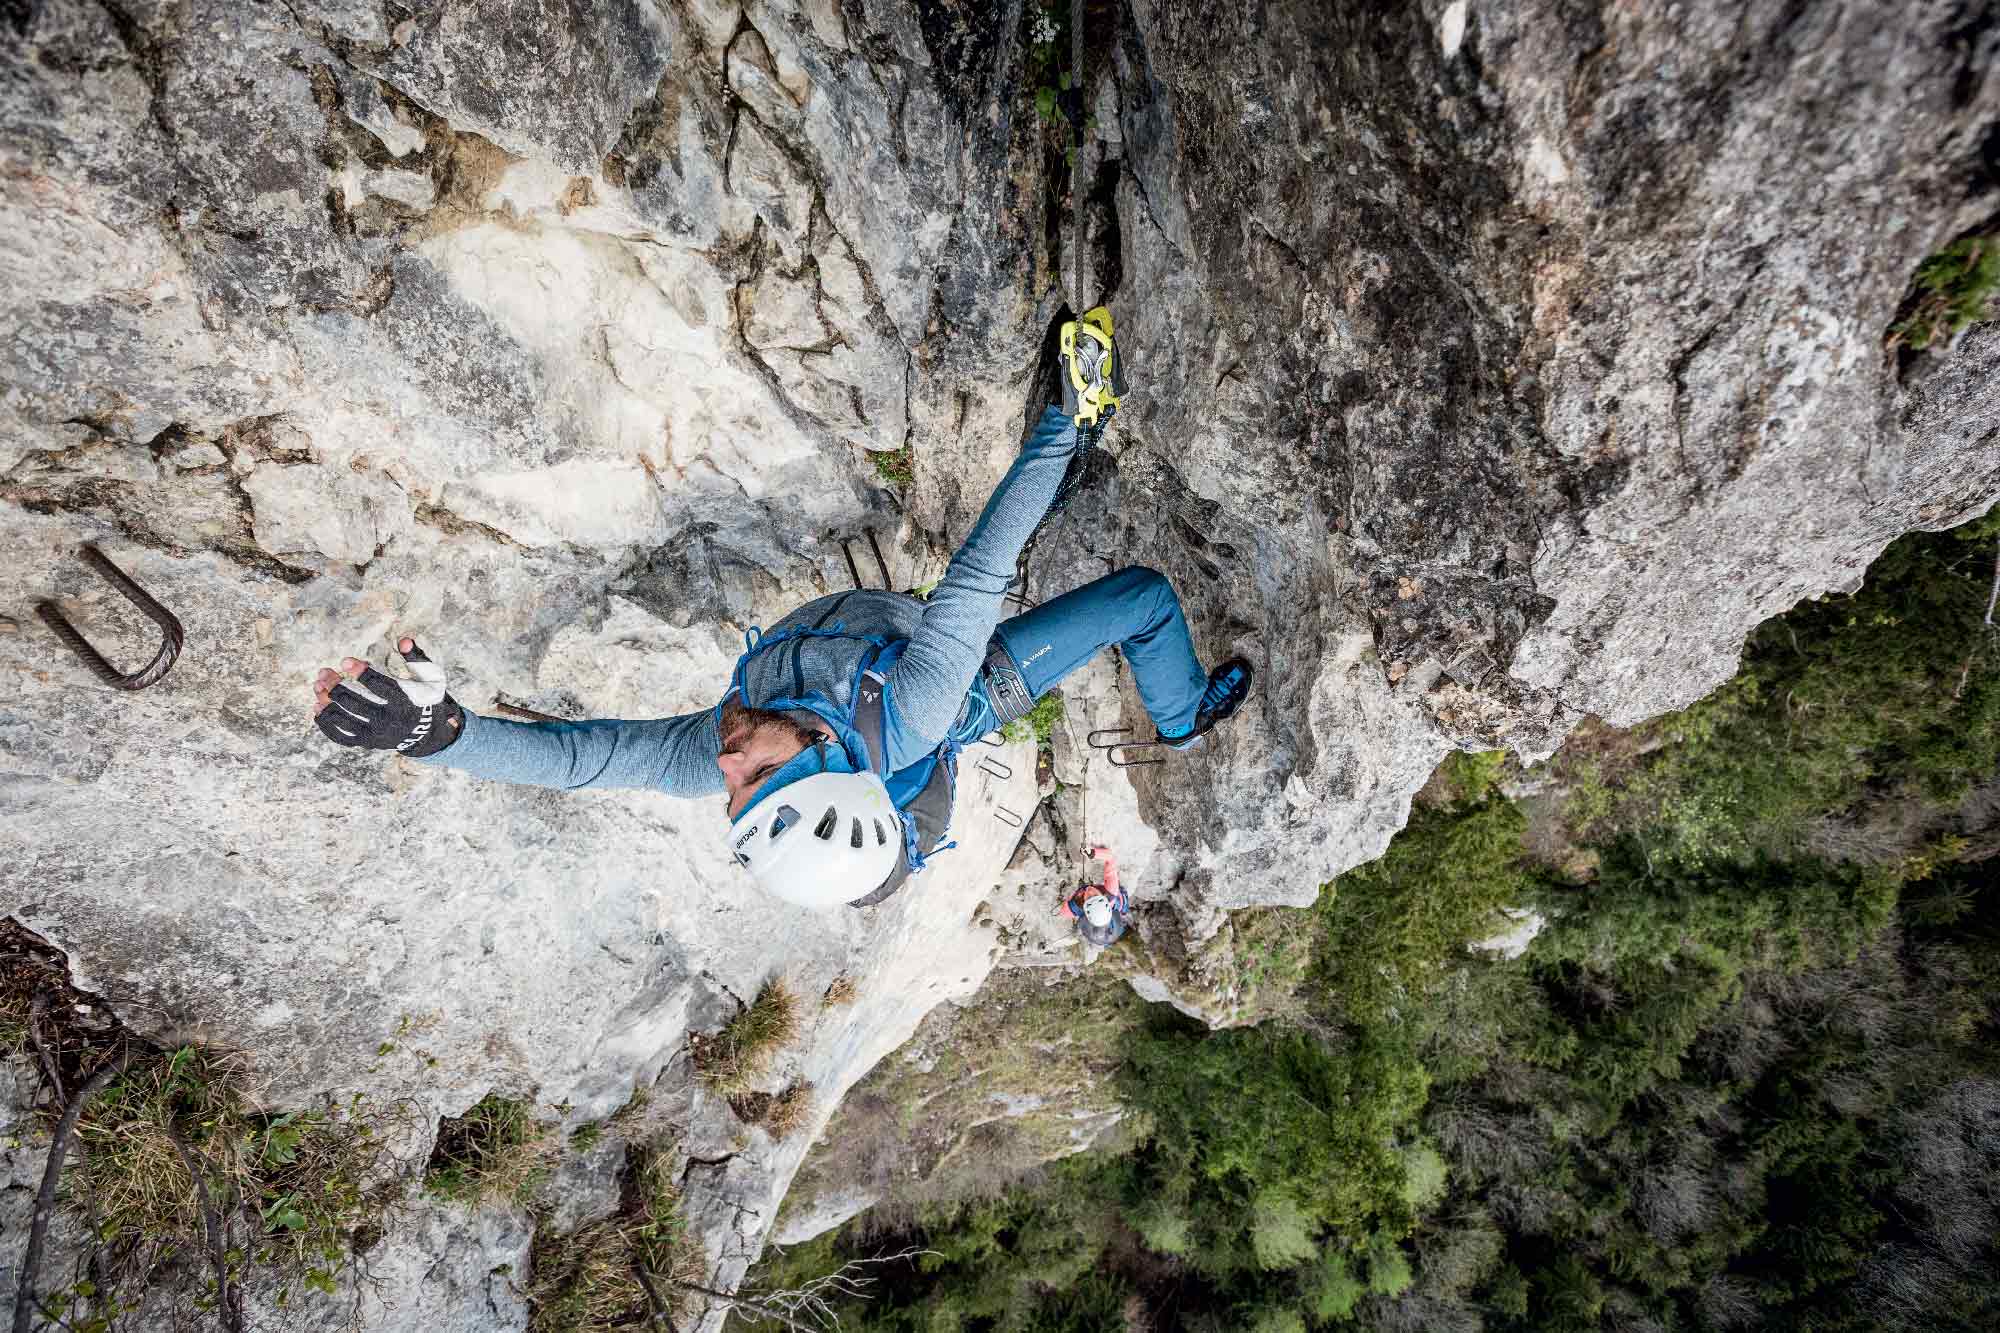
(1111, 748)
(171, 638)
(880, 563)
(853, 570)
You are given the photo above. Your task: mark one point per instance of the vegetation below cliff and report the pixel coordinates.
(1746, 1076)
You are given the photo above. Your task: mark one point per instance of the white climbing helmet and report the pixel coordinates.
(822, 841)
(1097, 910)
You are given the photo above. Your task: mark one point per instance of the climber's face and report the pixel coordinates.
(755, 744)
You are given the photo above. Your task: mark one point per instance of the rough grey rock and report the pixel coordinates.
(1495, 366)
(828, 1210)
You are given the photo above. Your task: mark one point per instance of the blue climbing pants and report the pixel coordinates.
(1134, 608)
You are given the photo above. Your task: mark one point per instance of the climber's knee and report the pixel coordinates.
(1149, 588)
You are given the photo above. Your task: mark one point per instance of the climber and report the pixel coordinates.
(836, 739)
(1100, 910)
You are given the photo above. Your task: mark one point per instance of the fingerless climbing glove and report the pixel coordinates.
(415, 717)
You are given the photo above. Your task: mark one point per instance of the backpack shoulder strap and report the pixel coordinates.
(926, 815)
(868, 720)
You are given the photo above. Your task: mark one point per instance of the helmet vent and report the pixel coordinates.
(784, 819)
(854, 838)
(881, 838)
(828, 822)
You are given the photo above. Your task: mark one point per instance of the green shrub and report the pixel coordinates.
(1275, 1319)
(895, 468)
(1331, 1288)
(1388, 1270)
(1246, 1118)
(1281, 1232)
(1391, 929)
(1040, 723)
(1164, 1228)
(1424, 1175)
(1471, 775)
(1953, 288)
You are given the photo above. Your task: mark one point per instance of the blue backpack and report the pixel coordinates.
(922, 792)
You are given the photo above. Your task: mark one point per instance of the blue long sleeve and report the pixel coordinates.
(928, 686)
(675, 755)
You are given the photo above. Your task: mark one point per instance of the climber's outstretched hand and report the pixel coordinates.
(361, 706)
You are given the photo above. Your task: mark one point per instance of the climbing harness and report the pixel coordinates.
(171, 633)
(1107, 740)
(1006, 689)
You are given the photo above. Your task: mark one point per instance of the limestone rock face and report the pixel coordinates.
(1493, 365)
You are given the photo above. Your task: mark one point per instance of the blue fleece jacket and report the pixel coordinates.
(933, 690)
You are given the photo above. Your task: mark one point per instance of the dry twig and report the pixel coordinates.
(36, 1008)
(229, 1304)
(1993, 596)
(45, 1200)
(813, 1301)
(661, 1318)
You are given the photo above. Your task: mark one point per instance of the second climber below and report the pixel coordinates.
(836, 737)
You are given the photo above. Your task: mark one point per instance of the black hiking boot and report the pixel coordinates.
(1228, 687)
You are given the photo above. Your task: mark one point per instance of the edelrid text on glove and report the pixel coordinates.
(415, 717)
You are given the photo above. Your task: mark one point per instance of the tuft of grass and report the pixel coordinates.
(1039, 724)
(842, 992)
(495, 1150)
(641, 1098)
(15, 1008)
(897, 468)
(790, 1110)
(585, 1137)
(588, 1279)
(781, 1114)
(1953, 288)
(130, 1171)
(299, 1178)
(734, 1058)
(584, 1281)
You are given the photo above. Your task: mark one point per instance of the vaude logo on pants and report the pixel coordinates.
(1041, 653)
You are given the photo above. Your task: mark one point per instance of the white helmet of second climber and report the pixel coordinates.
(820, 841)
(1097, 910)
